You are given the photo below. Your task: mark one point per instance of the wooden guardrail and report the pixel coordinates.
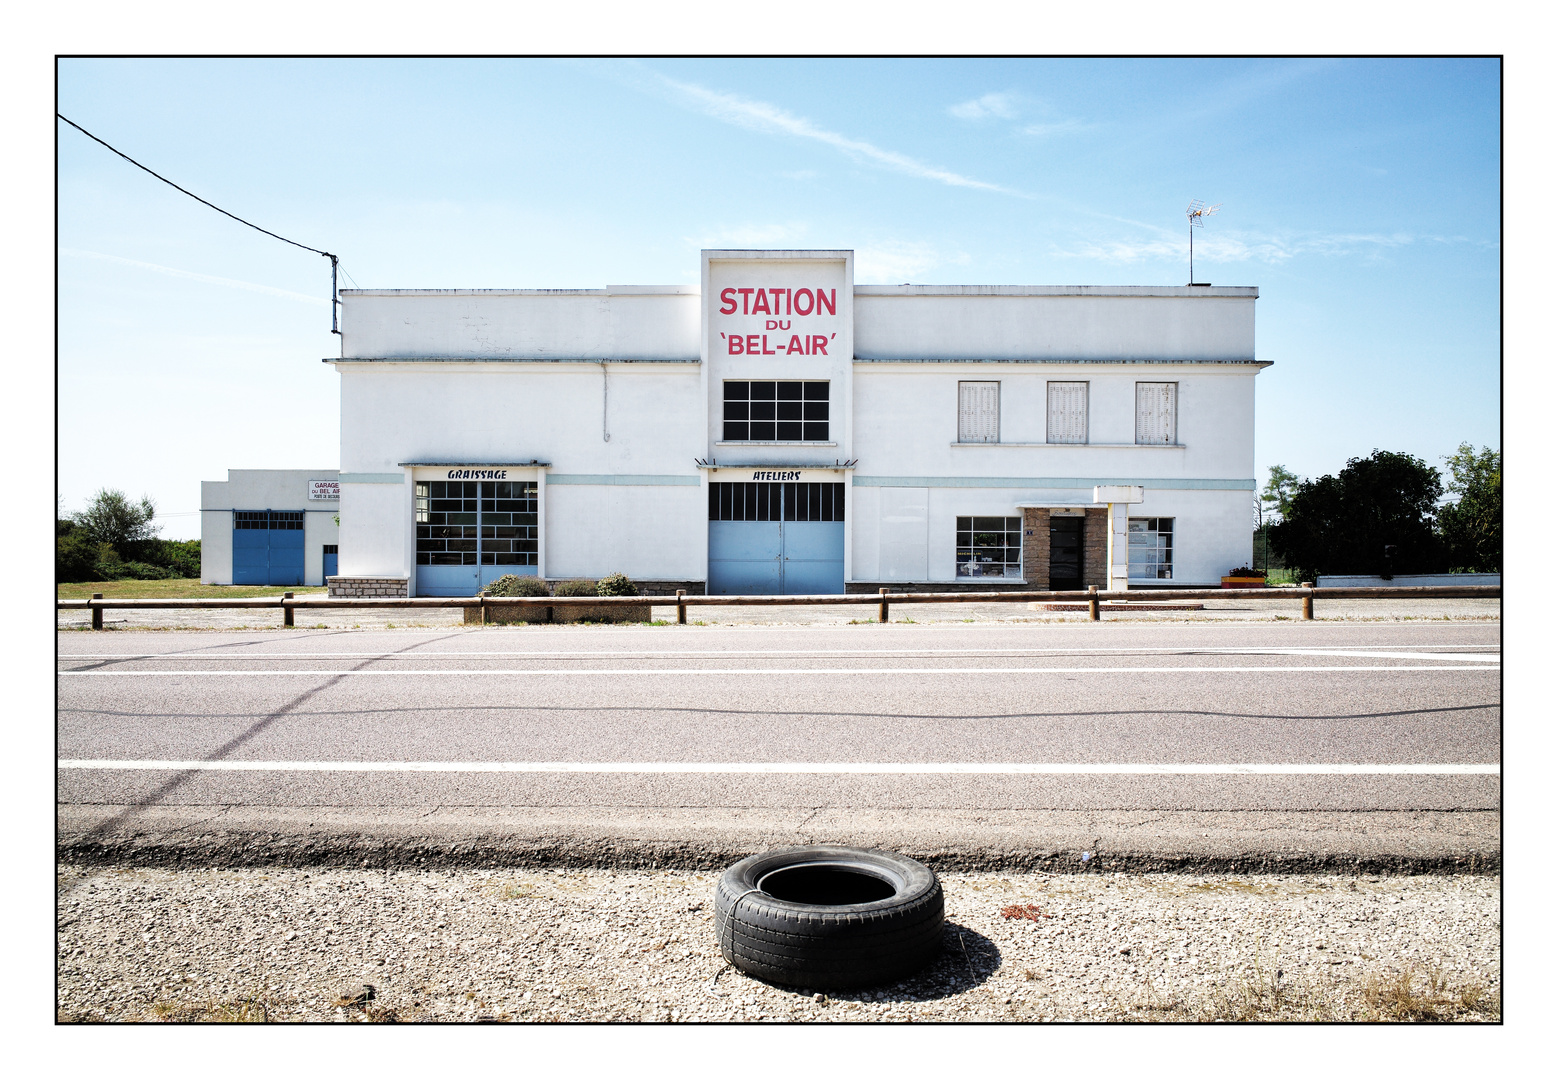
(884, 599)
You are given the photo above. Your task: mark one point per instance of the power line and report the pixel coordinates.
(333, 260)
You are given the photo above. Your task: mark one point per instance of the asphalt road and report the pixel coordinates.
(882, 726)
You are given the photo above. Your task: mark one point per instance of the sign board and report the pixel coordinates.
(776, 474)
(324, 491)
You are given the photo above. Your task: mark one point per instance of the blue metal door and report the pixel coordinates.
(767, 539)
(332, 560)
(746, 558)
(268, 547)
(813, 557)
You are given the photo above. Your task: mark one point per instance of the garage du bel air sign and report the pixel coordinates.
(324, 491)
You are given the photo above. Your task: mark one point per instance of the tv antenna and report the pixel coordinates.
(1197, 212)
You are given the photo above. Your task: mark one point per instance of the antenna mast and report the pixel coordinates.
(1197, 212)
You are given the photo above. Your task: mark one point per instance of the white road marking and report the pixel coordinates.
(624, 672)
(747, 767)
(1342, 650)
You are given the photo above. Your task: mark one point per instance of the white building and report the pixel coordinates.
(269, 527)
(780, 429)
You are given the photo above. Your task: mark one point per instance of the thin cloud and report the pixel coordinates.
(1248, 248)
(232, 283)
(1061, 127)
(999, 106)
(746, 236)
(771, 119)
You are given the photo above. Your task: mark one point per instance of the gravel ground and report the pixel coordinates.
(604, 945)
(1215, 611)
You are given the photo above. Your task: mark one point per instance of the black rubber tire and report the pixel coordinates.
(829, 946)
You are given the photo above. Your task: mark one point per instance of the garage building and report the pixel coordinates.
(779, 429)
(269, 527)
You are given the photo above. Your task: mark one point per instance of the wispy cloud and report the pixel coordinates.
(1059, 127)
(997, 106)
(772, 119)
(1235, 248)
(751, 235)
(212, 279)
(892, 262)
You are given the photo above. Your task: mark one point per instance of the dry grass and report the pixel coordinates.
(175, 589)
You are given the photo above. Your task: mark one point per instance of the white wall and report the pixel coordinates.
(982, 322)
(618, 323)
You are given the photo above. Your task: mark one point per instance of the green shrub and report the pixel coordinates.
(180, 555)
(617, 584)
(75, 557)
(514, 585)
(577, 587)
(140, 571)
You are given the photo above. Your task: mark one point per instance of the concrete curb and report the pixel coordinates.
(1052, 842)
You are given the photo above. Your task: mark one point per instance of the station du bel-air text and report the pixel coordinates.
(784, 305)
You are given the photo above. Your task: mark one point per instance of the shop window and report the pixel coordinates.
(1152, 548)
(1157, 404)
(1067, 412)
(446, 522)
(979, 412)
(776, 411)
(776, 502)
(989, 547)
(508, 523)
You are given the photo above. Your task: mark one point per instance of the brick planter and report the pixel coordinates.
(359, 588)
(1244, 583)
(559, 613)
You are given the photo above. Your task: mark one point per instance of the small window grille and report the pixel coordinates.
(989, 547)
(979, 412)
(1152, 548)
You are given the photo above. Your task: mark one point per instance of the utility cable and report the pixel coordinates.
(333, 260)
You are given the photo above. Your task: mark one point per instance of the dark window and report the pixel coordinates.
(776, 502)
(268, 519)
(776, 412)
(463, 522)
(989, 546)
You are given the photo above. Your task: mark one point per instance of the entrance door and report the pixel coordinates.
(267, 547)
(767, 539)
(1065, 553)
(471, 533)
(331, 560)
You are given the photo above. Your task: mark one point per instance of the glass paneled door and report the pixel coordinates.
(470, 533)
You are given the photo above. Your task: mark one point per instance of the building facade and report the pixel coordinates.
(269, 527)
(781, 430)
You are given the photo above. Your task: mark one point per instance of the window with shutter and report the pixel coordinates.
(1067, 412)
(979, 412)
(1156, 422)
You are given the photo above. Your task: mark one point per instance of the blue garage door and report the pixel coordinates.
(332, 559)
(267, 547)
(470, 533)
(776, 539)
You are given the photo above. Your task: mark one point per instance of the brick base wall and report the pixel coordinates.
(1035, 546)
(363, 587)
(961, 585)
(1095, 547)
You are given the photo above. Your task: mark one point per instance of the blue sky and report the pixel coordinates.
(1362, 196)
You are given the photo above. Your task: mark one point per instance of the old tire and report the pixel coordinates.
(829, 917)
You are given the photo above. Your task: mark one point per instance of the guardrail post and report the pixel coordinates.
(286, 609)
(681, 607)
(97, 613)
(1092, 603)
(881, 611)
(1309, 601)
(483, 597)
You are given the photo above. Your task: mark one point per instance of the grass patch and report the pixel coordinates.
(174, 589)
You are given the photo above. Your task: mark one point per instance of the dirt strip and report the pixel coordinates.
(598, 945)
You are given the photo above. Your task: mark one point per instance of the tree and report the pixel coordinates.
(1472, 527)
(1277, 496)
(1344, 524)
(111, 518)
